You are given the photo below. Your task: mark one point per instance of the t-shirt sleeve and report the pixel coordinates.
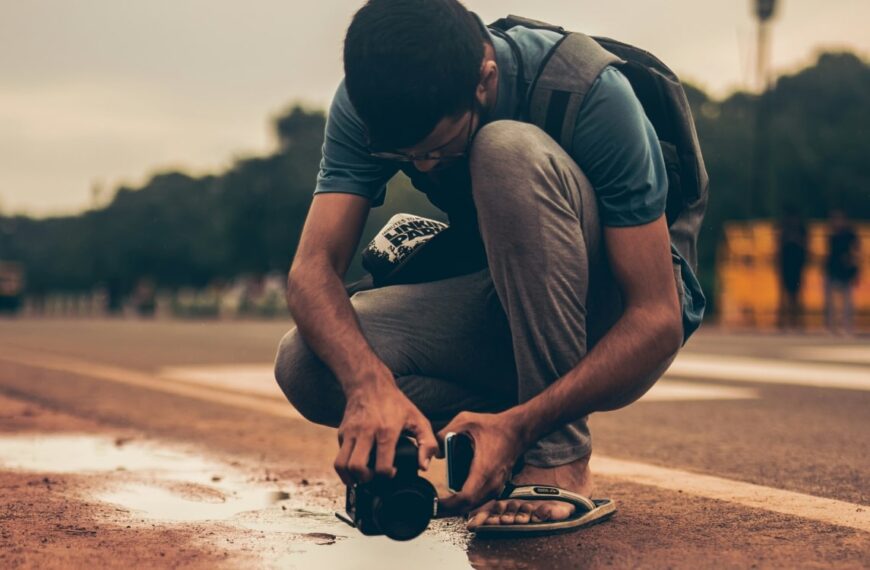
(345, 164)
(617, 148)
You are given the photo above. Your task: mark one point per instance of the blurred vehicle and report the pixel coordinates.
(11, 286)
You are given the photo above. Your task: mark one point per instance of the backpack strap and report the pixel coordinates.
(504, 24)
(565, 76)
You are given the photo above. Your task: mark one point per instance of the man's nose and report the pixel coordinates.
(425, 165)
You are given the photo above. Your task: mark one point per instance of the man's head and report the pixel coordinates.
(838, 218)
(415, 71)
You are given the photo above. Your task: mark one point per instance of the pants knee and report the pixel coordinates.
(506, 142)
(307, 382)
(509, 154)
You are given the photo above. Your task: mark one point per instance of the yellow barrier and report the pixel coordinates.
(748, 280)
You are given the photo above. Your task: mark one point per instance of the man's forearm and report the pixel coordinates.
(326, 320)
(612, 374)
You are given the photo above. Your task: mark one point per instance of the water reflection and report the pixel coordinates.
(86, 453)
(286, 526)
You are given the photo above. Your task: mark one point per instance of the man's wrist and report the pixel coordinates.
(529, 423)
(368, 381)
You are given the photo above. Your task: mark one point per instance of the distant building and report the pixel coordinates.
(748, 286)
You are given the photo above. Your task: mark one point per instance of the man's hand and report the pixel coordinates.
(375, 416)
(497, 445)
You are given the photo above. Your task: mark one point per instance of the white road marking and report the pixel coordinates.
(746, 494)
(675, 391)
(257, 379)
(853, 354)
(800, 505)
(144, 380)
(768, 371)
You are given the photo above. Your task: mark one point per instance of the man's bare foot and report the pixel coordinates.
(575, 477)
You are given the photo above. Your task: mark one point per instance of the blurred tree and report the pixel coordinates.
(818, 148)
(188, 231)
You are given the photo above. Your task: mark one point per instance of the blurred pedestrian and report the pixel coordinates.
(841, 272)
(145, 297)
(792, 254)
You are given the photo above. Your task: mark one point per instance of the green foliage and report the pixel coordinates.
(182, 231)
(817, 147)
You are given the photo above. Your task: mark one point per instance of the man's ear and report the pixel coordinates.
(488, 86)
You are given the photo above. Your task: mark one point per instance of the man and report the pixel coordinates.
(578, 305)
(792, 256)
(841, 272)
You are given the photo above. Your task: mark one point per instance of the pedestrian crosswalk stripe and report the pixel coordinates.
(853, 354)
(768, 371)
(829, 511)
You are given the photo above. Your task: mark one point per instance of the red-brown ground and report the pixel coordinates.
(55, 519)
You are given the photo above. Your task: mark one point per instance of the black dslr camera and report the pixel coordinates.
(401, 507)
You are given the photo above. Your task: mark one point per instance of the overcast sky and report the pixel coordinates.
(105, 92)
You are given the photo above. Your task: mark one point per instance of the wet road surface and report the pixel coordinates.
(168, 444)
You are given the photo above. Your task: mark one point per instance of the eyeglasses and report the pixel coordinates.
(434, 154)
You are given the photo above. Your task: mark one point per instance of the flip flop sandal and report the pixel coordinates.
(587, 512)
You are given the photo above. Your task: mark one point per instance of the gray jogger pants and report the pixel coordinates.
(491, 339)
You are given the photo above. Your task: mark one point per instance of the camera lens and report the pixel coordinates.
(405, 513)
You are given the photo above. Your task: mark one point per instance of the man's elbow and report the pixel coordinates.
(669, 332)
(290, 291)
(298, 275)
(307, 275)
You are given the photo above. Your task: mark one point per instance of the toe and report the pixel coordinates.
(510, 511)
(541, 513)
(493, 519)
(552, 511)
(524, 514)
(561, 511)
(477, 519)
(495, 512)
(522, 518)
(479, 515)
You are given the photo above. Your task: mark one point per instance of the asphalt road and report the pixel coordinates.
(753, 451)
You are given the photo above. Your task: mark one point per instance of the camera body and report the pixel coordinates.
(399, 507)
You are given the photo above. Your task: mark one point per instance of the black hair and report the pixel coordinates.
(410, 63)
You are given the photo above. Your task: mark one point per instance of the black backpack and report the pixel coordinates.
(556, 94)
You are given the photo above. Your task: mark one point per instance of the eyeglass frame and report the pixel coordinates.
(411, 157)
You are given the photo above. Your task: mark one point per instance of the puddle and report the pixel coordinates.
(287, 529)
(307, 539)
(423, 553)
(173, 505)
(151, 481)
(92, 454)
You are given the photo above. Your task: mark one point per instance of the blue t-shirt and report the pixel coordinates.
(614, 144)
